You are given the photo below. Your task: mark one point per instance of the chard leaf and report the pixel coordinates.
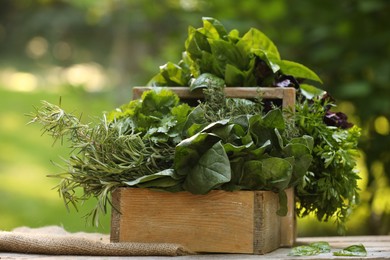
(297, 70)
(211, 171)
(354, 250)
(255, 39)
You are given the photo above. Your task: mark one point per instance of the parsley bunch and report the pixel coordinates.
(329, 188)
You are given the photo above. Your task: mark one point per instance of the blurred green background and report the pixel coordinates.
(90, 53)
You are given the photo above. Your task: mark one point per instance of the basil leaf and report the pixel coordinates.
(354, 250)
(304, 251)
(324, 247)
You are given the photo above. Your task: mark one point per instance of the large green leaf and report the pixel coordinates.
(211, 171)
(270, 59)
(310, 91)
(163, 179)
(189, 151)
(255, 39)
(297, 70)
(206, 80)
(213, 28)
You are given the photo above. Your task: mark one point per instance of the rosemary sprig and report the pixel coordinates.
(104, 156)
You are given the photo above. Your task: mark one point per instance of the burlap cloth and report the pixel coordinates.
(54, 240)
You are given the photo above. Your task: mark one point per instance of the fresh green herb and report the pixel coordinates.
(354, 250)
(135, 141)
(237, 152)
(317, 248)
(215, 56)
(329, 188)
(248, 60)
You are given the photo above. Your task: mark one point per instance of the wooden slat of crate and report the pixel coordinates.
(286, 94)
(220, 221)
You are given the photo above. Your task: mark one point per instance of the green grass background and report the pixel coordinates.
(27, 197)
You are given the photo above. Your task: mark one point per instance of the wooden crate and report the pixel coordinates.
(218, 222)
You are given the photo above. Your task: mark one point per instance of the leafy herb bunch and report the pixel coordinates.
(329, 186)
(222, 143)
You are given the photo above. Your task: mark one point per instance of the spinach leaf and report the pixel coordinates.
(163, 179)
(211, 171)
(206, 80)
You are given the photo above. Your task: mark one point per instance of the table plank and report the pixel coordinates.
(378, 247)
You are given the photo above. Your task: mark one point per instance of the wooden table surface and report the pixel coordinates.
(378, 247)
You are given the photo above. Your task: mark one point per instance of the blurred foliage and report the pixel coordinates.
(345, 42)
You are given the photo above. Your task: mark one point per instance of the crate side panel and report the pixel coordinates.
(267, 222)
(217, 222)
